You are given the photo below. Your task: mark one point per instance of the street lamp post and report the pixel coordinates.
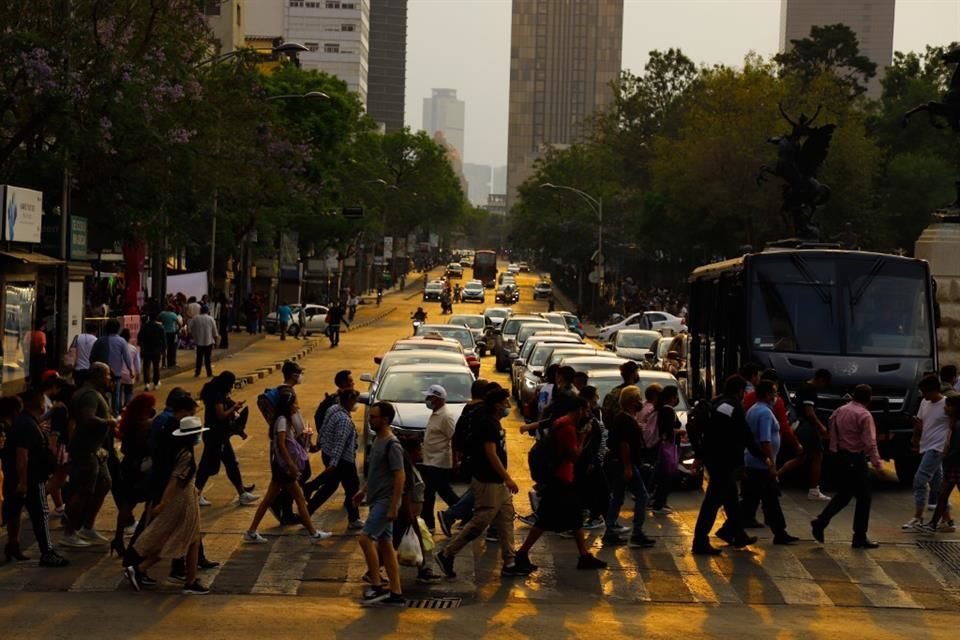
(596, 205)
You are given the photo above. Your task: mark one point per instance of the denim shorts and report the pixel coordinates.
(377, 527)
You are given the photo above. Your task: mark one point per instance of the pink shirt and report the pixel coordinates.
(852, 430)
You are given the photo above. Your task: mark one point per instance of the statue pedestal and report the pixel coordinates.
(939, 244)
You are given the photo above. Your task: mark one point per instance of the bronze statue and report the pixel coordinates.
(949, 109)
(800, 154)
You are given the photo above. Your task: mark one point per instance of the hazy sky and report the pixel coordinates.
(465, 45)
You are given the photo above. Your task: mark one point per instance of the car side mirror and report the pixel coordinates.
(649, 356)
(377, 359)
(609, 347)
(366, 377)
(514, 355)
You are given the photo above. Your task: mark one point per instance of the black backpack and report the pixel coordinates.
(542, 458)
(698, 424)
(329, 400)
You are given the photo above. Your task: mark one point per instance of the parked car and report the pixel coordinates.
(403, 386)
(459, 333)
(633, 344)
(650, 320)
(433, 291)
(477, 326)
(413, 356)
(473, 292)
(314, 315)
(574, 324)
(543, 290)
(454, 270)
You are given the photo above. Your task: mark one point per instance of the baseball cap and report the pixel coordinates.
(290, 367)
(436, 391)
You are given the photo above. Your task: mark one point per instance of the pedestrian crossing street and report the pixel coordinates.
(900, 575)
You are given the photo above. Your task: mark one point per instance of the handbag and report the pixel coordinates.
(668, 458)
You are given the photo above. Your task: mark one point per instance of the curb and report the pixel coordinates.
(217, 355)
(262, 372)
(377, 318)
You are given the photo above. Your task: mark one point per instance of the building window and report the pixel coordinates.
(347, 27)
(239, 17)
(312, 46)
(333, 4)
(331, 48)
(211, 7)
(348, 5)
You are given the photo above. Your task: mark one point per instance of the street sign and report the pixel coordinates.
(78, 238)
(352, 213)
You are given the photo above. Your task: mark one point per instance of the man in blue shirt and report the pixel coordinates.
(284, 316)
(112, 350)
(760, 486)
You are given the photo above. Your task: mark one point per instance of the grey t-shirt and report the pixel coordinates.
(386, 457)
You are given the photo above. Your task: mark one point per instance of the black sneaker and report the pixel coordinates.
(725, 535)
(130, 573)
(426, 575)
(522, 561)
(588, 562)
(206, 565)
(394, 600)
(613, 539)
(706, 549)
(817, 528)
(374, 595)
(785, 538)
(744, 541)
(178, 576)
(642, 541)
(196, 589)
(491, 535)
(53, 559)
(753, 524)
(446, 523)
(864, 543)
(145, 580)
(446, 564)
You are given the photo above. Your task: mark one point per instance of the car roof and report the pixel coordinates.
(551, 314)
(429, 367)
(530, 317)
(424, 353)
(556, 338)
(594, 358)
(653, 374)
(464, 315)
(426, 340)
(436, 326)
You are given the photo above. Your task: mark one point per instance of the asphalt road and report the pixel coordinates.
(808, 589)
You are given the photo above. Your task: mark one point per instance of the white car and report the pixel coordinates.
(314, 314)
(651, 320)
(513, 268)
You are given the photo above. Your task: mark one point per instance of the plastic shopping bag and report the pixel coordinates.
(410, 554)
(425, 536)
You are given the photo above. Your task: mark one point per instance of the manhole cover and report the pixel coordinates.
(434, 603)
(947, 552)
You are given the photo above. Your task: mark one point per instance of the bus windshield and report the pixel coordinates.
(863, 305)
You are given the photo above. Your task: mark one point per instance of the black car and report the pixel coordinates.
(433, 291)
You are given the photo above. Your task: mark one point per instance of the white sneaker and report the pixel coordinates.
(148, 387)
(816, 494)
(254, 537)
(911, 525)
(92, 536)
(245, 498)
(157, 386)
(320, 534)
(931, 507)
(74, 541)
(203, 502)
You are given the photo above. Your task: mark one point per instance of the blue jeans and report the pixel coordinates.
(618, 489)
(930, 472)
(463, 508)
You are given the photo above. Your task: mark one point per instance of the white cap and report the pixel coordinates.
(436, 391)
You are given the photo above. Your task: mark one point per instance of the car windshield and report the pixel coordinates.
(474, 322)
(473, 287)
(401, 357)
(460, 334)
(636, 340)
(513, 325)
(557, 320)
(528, 330)
(435, 286)
(408, 386)
(540, 354)
(853, 306)
(496, 313)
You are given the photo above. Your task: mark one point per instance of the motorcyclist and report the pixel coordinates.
(419, 315)
(457, 291)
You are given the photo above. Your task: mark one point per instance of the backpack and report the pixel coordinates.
(611, 403)
(651, 435)
(542, 459)
(461, 442)
(328, 401)
(698, 424)
(267, 404)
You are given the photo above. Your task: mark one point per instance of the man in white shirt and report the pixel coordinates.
(203, 328)
(437, 466)
(931, 432)
(83, 344)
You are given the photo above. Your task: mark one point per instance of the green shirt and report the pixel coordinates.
(90, 435)
(169, 320)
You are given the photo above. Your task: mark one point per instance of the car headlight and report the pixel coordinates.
(530, 382)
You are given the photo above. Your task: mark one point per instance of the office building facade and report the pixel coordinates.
(386, 90)
(444, 113)
(871, 20)
(563, 56)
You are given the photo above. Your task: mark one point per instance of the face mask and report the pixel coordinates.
(428, 403)
(505, 412)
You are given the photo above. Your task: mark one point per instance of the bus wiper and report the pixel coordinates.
(801, 266)
(874, 271)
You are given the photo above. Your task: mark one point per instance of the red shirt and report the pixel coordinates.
(564, 434)
(852, 430)
(780, 412)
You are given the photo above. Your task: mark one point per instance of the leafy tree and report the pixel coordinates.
(830, 48)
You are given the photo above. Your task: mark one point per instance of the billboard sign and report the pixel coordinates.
(22, 214)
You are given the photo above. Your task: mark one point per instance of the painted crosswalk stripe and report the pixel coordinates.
(879, 588)
(104, 575)
(283, 570)
(705, 580)
(795, 583)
